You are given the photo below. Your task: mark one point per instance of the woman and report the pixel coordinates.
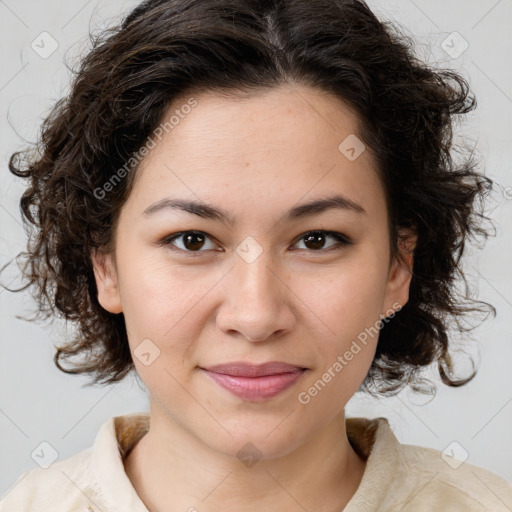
(253, 204)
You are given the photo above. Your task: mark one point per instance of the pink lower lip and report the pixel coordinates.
(256, 388)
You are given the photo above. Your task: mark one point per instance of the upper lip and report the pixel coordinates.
(242, 369)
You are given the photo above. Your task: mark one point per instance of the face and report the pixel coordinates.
(272, 281)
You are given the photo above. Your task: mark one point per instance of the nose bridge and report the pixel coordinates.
(257, 273)
(257, 303)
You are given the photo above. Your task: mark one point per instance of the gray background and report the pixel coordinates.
(38, 403)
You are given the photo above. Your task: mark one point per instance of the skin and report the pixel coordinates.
(300, 303)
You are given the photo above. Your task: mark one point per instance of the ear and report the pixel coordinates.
(400, 273)
(105, 274)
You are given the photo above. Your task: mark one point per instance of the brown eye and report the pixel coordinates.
(315, 240)
(191, 241)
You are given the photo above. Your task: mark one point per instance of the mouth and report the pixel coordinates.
(255, 382)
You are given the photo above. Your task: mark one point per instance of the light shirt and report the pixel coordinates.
(397, 477)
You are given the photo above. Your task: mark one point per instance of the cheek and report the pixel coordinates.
(162, 309)
(349, 306)
(160, 297)
(349, 297)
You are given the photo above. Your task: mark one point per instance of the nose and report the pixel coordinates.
(256, 300)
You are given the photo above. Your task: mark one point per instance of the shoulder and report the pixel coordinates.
(64, 486)
(414, 478)
(439, 479)
(90, 481)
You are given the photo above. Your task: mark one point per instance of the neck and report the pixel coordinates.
(172, 470)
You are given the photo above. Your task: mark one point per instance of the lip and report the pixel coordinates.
(255, 382)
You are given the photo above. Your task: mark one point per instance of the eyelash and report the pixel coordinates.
(342, 240)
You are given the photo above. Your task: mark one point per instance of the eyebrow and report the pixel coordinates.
(208, 211)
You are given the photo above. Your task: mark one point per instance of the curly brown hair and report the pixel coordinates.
(166, 48)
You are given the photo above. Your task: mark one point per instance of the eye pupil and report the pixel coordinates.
(193, 237)
(316, 238)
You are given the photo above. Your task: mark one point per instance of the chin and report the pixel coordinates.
(256, 440)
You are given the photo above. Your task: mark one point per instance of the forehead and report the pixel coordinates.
(284, 119)
(281, 143)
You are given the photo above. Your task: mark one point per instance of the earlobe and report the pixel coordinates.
(105, 275)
